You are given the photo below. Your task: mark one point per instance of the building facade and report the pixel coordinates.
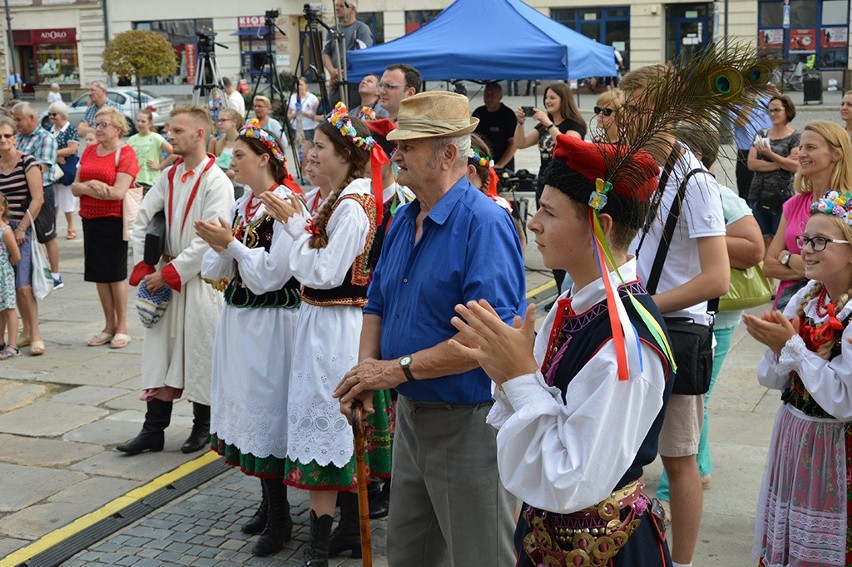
(61, 40)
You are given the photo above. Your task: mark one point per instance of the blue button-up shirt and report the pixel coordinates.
(758, 119)
(468, 250)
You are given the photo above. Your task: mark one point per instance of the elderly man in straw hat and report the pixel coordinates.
(452, 245)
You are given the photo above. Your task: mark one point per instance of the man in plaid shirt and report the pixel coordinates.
(98, 98)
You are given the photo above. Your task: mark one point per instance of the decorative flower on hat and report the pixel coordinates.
(597, 200)
(252, 129)
(836, 204)
(484, 161)
(339, 118)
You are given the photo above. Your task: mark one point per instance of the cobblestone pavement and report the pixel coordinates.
(203, 529)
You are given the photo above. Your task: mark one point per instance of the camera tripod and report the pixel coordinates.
(275, 88)
(207, 75)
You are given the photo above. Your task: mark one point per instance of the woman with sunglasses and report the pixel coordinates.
(825, 164)
(606, 107)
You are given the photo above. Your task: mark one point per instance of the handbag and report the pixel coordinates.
(692, 346)
(748, 288)
(42, 277)
(130, 202)
(691, 342)
(69, 170)
(152, 306)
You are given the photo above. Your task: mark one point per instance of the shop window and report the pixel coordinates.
(605, 25)
(57, 64)
(819, 27)
(415, 19)
(376, 22)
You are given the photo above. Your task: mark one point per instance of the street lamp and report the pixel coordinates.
(14, 84)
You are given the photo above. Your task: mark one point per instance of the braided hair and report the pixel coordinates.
(357, 158)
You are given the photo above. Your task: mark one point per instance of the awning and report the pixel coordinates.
(260, 32)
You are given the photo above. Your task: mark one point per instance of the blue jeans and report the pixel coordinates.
(705, 466)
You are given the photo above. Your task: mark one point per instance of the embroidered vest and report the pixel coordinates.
(586, 333)
(259, 235)
(353, 290)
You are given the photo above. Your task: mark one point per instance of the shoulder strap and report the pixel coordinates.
(668, 233)
(118, 154)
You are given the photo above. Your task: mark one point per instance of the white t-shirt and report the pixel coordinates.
(53, 97)
(310, 104)
(237, 102)
(700, 216)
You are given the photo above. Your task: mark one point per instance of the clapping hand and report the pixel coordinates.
(503, 351)
(771, 329)
(216, 233)
(278, 208)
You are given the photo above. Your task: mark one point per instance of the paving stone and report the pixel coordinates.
(34, 452)
(95, 491)
(88, 395)
(136, 540)
(141, 467)
(14, 394)
(48, 419)
(24, 486)
(36, 520)
(128, 561)
(9, 544)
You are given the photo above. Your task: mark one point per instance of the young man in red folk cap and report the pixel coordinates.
(579, 408)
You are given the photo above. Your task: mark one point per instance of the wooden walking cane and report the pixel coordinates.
(361, 474)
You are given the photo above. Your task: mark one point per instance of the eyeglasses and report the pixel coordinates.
(390, 86)
(7, 136)
(818, 243)
(101, 125)
(52, 114)
(604, 111)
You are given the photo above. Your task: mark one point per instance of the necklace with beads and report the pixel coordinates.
(252, 207)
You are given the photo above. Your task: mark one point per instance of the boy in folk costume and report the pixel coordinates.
(579, 408)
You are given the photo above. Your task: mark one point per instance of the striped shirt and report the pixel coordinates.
(14, 186)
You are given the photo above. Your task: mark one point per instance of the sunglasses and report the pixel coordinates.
(51, 114)
(7, 136)
(604, 111)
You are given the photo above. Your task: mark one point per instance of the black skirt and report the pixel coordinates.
(104, 250)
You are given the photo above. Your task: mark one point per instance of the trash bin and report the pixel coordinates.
(812, 87)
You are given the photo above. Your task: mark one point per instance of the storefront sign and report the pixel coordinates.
(251, 22)
(772, 39)
(46, 36)
(835, 37)
(802, 40)
(189, 52)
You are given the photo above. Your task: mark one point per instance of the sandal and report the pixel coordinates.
(23, 341)
(10, 351)
(98, 340)
(119, 341)
(71, 234)
(37, 348)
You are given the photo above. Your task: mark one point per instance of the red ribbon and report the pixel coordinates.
(378, 158)
(492, 182)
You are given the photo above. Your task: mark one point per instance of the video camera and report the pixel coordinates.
(313, 12)
(207, 42)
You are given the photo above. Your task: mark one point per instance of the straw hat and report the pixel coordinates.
(433, 114)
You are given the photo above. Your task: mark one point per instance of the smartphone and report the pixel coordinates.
(528, 110)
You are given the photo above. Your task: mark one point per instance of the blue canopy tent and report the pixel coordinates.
(489, 39)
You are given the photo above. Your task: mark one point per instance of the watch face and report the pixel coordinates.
(405, 360)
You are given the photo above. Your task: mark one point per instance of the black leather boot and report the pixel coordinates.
(279, 525)
(378, 500)
(347, 534)
(317, 554)
(257, 522)
(152, 437)
(200, 436)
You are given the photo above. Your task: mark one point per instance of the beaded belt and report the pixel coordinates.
(589, 537)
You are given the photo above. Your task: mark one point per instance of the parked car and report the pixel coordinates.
(127, 99)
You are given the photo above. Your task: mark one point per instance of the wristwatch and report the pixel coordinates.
(785, 258)
(405, 364)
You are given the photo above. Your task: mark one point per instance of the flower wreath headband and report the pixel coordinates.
(252, 129)
(485, 161)
(836, 204)
(339, 118)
